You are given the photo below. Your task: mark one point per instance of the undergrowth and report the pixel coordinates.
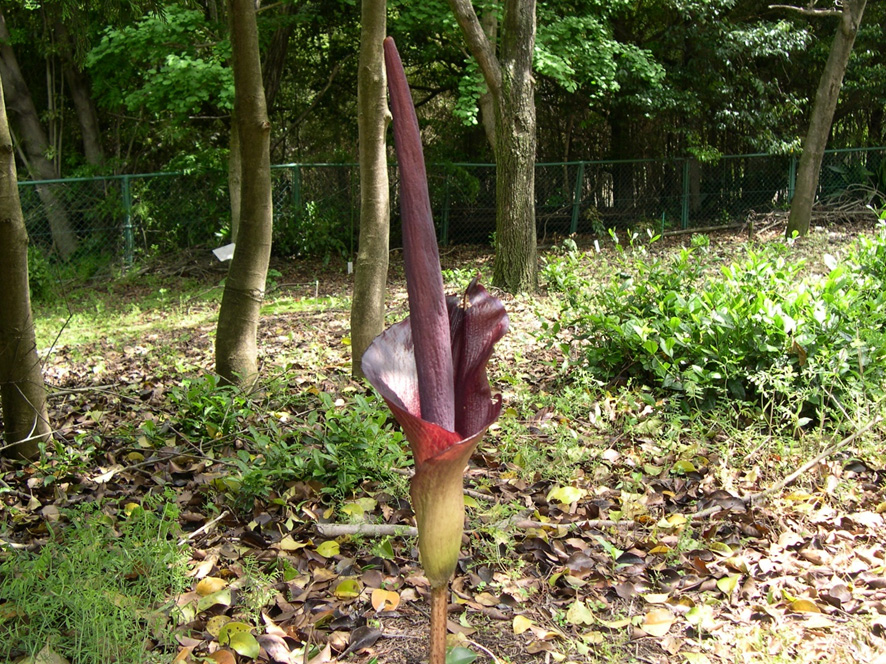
(758, 331)
(96, 592)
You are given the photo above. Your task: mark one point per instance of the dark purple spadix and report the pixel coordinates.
(424, 280)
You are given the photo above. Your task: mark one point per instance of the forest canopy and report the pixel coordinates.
(614, 80)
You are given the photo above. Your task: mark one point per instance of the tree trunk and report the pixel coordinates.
(489, 21)
(235, 177)
(236, 354)
(275, 60)
(822, 117)
(84, 107)
(22, 392)
(368, 303)
(509, 79)
(34, 143)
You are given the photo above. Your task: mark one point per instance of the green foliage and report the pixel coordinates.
(757, 331)
(95, 591)
(336, 445)
(169, 64)
(319, 230)
(40, 276)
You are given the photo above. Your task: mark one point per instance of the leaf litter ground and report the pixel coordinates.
(636, 551)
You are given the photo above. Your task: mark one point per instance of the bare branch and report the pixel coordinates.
(809, 11)
(478, 43)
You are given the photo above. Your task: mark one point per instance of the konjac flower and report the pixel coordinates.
(431, 367)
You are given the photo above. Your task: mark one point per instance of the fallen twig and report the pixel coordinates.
(779, 486)
(206, 526)
(365, 529)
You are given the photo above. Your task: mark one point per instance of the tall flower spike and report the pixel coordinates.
(431, 367)
(424, 280)
(434, 361)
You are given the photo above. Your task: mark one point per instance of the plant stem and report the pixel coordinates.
(439, 602)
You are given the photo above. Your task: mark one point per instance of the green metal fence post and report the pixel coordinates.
(444, 229)
(792, 178)
(576, 197)
(684, 211)
(128, 239)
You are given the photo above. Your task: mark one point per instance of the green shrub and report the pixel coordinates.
(756, 330)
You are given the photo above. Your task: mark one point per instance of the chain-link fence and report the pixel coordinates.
(316, 206)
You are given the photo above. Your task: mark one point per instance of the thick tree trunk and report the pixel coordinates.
(368, 304)
(822, 117)
(236, 353)
(509, 79)
(34, 143)
(21, 380)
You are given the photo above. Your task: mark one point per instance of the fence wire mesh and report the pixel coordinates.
(317, 206)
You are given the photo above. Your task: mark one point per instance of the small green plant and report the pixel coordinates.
(96, 590)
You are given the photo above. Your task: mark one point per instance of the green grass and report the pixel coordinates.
(99, 590)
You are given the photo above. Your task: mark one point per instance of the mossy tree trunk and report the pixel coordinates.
(370, 278)
(236, 351)
(22, 392)
(508, 77)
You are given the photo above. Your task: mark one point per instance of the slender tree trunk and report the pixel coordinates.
(84, 107)
(236, 353)
(489, 21)
(822, 117)
(235, 177)
(509, 80)
(22, 392)
(368, 304)
(275, 60)
(34, 143)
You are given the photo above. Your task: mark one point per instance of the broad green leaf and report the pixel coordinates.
(328, 548)
(229, 629)
(215, 623)
(683, 467)
(245, 644)
(459, 655)
(728, 584)
(348, 589)
(222, 597)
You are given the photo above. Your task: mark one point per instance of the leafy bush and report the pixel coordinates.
(754, 331)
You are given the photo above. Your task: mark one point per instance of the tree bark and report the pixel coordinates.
(489, 22)
(84, 107)
(275, 60)
(236, 353)
(370, 278)
(235, 177)
(510, 83)
(34, 143)
(822, 117)
(22, 392)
